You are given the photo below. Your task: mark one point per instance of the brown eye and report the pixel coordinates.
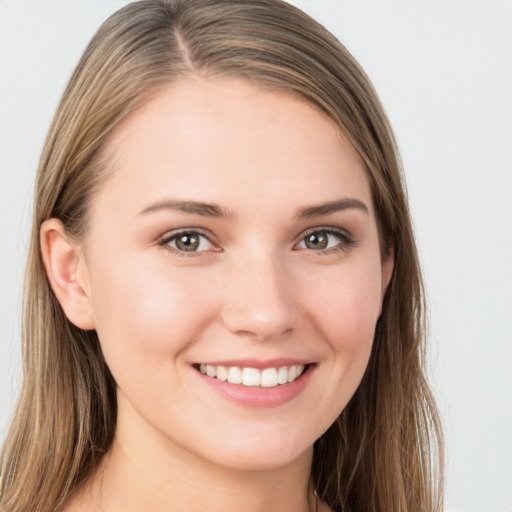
(325, 239)
(189, 241)
(317, 241)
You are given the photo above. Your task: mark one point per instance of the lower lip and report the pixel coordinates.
(256, 396)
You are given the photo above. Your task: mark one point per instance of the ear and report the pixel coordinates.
(66, 270)
(387, 265)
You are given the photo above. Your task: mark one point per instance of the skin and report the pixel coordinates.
(254, 290)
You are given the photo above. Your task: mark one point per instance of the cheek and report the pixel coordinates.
(346, 311)
(347, 306)
(341, 305)
(148, 314)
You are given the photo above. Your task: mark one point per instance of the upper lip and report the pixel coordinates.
(259, 363)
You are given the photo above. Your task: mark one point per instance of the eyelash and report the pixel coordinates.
(167, 239)
(346, 242)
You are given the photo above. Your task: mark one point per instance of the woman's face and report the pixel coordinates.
(235, 236)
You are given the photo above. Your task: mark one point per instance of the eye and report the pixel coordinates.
(325, 240)
(188, 241)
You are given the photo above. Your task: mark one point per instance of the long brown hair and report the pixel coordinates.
(384, 452)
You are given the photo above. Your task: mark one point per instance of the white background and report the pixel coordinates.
(443, 69)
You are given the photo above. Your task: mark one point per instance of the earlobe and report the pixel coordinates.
(66, 271)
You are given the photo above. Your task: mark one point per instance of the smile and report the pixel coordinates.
(253, 377)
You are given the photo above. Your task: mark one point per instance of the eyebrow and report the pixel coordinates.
(331, 207)
(192, 207)
(215, 211)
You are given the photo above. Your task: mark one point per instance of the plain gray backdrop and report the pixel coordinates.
(443, 69)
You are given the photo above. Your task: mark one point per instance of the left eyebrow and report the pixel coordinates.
(192, 207)
(331, 207)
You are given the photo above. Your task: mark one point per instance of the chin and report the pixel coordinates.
(263, 454)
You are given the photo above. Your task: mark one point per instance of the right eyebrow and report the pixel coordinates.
(192, 207)
(332, 207)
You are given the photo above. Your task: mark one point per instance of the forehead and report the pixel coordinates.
(229, 141)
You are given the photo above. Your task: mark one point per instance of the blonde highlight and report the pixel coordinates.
(384, 452)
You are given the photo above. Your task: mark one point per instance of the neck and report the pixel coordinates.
(143, 474)
(186, 485)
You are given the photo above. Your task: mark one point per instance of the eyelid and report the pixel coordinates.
(346, 239)
(346, 242)
(330, 229)
(165, 239)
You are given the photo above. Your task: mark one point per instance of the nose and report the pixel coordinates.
(259, 299)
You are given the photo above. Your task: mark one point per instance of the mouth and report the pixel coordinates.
(256, 383)
(254, 377)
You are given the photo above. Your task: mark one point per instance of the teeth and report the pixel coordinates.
(222, 373)
(251, 377)
(282, 375)
(234, 375)
(267, 378)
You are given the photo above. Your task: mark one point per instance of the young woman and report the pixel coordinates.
(223, 302)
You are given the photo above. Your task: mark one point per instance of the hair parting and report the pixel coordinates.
(384, 452)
